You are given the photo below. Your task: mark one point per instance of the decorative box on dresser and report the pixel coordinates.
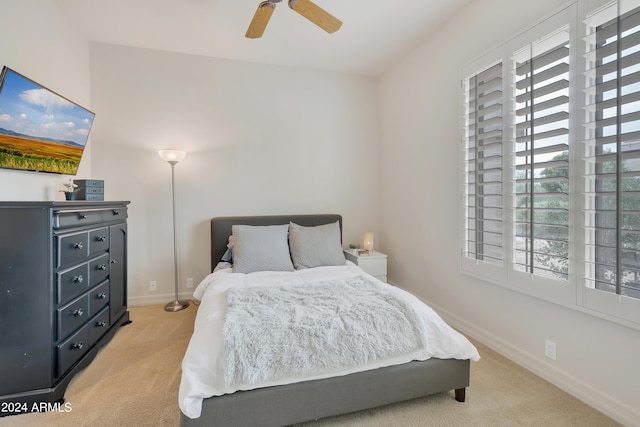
(374, 263)
(63, 295)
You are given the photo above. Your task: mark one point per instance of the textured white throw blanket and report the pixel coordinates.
(278, 332)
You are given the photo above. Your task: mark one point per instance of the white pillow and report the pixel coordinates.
(315, 246)
(228, 254)
(260, 248)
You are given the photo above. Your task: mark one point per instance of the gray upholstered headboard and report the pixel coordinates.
(221, 227)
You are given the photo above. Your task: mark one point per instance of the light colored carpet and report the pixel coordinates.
(134, 381)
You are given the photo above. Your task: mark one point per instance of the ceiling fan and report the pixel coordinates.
(306, 8)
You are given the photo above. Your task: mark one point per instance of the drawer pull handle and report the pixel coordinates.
(82, 216)
(77, 346)
(102, 238)
(78, 245)
(102, 267)
(78, 279)
(78, 312)
(102, 295)
(116, 212)
(101, 324)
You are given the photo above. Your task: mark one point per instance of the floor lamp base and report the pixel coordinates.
(176, 305)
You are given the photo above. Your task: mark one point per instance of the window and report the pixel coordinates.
(551, 137)
(483, 140)
(541, 138)
(613, 153)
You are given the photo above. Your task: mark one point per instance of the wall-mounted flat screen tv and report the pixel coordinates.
(39, 129)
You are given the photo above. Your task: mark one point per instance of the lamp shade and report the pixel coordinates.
(172, 156)
(367, 244)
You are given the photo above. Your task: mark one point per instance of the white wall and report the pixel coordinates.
(420, 99)
(270, 140)
(39, 43)
(260, 140)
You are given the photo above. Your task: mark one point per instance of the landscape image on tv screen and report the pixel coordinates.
(39, 129)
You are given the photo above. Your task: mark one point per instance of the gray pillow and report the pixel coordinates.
(315, 246)
(260, 248)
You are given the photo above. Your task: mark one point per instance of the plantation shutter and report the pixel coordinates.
(541, 125)
(483, 140)
(612, 159)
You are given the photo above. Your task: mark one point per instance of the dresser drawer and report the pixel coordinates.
(72, 316)
(115, 214)
(98, 240)
(90, 196)
(72, 282)
(87, 183)
(98, 326)
(92, 190)
(375, 263)
(73, 349)
(98, 298)
(374, 266)
(72, 248)
(77, 218)
(98, 270)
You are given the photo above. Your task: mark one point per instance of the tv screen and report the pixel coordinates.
(39, 129)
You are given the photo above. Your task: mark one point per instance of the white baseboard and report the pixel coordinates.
(157, 299)
(593, 397)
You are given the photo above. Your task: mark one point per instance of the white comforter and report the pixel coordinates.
(203, 367)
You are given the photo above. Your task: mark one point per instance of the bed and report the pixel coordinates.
(320, 396)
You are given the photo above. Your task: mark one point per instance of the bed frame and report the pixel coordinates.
(294, 403)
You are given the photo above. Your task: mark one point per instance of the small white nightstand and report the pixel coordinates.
(375, 264)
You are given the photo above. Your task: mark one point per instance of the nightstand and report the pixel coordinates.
(374, 264)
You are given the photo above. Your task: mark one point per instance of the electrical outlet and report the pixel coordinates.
(153, 286)
(550, 349)
(190, 282)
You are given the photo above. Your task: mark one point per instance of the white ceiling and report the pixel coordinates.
(374, 34)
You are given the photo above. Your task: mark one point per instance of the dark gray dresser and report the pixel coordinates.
(63, 295)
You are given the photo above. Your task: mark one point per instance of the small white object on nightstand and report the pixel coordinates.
(375, 263)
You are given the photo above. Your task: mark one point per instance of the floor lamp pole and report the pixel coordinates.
(175, 305)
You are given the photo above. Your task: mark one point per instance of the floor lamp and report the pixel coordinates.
(172, 157)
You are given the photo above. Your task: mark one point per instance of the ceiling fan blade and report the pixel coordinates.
(260, 20)
(316, 14)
